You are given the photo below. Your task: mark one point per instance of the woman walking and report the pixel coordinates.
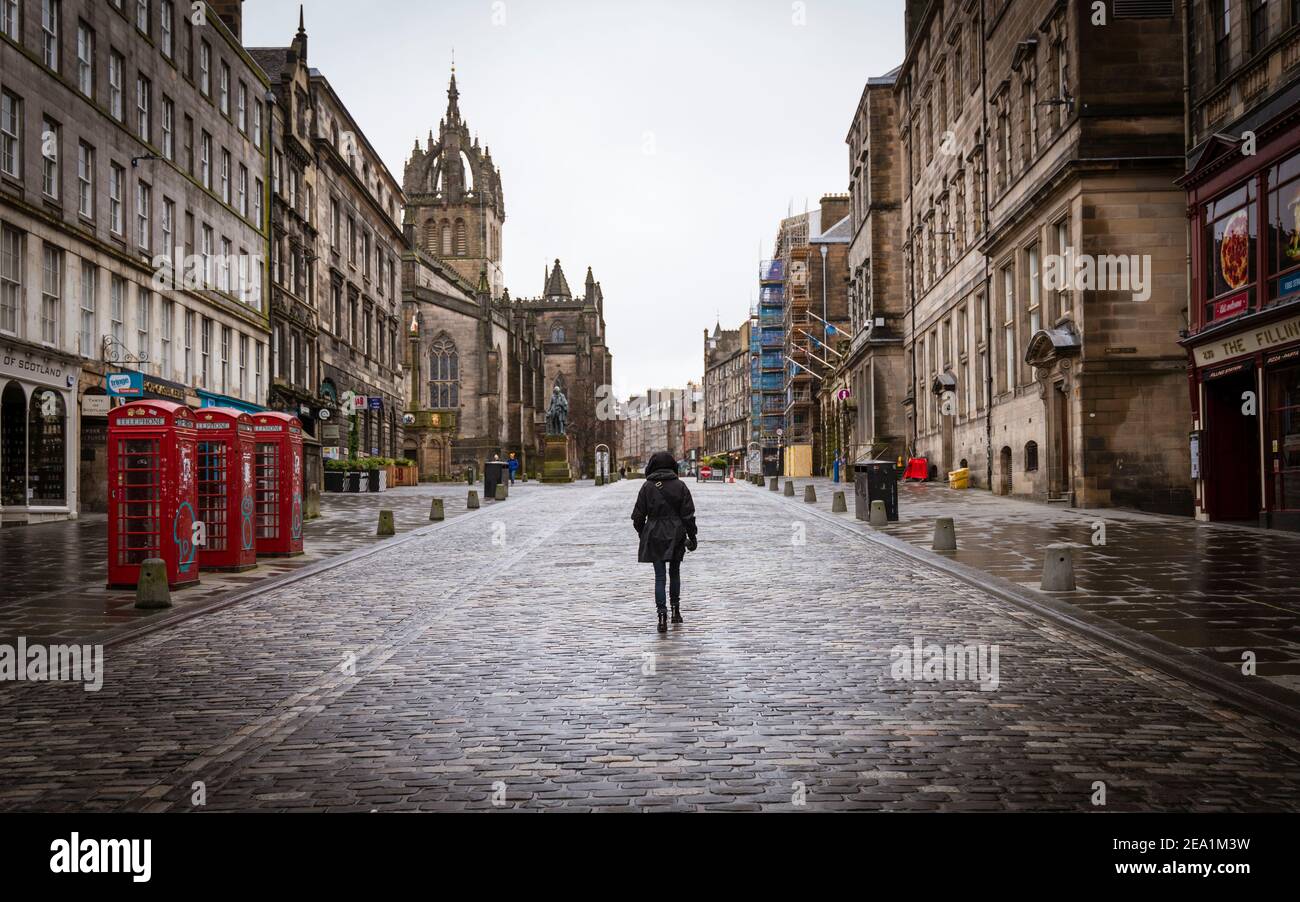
(664, 517)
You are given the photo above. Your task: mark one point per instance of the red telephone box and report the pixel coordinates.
(277, 483)
(152, 498)
(225, 457)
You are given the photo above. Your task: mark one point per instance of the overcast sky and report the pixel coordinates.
(657, 141)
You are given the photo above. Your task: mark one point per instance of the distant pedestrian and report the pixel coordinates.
(514, 467)
(622, 472)
(664, 517)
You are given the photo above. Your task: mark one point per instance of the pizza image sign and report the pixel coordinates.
(1234, 251)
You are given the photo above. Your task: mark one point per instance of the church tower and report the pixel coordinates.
(454, 205)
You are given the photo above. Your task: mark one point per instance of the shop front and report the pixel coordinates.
(1244, 344)
(37, 434)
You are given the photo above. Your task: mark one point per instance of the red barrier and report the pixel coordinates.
(917, 468)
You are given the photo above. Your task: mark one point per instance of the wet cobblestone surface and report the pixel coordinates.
(509, 661)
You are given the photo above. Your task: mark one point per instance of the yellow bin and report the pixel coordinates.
(959, 479)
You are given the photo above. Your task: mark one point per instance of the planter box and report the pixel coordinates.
(352, 483)
(376, 480)
(335, 480)
(403, 476)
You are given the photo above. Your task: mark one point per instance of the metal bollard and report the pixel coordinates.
(945, 535)
(809, 495)
(386, 527)
(1058, 568)
(151, 590)
(471, 500)
(838, 504)
(435, 509)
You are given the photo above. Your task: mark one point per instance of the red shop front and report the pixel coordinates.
(1244, 342)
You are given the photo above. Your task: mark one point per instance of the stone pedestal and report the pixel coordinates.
(555, 467)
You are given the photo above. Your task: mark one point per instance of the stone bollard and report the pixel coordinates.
(386, 527)
(471, 501)
(878, 516)
(809, 494)
(772, 484)
(838, 505)
(600, 480)
(945, 535)
(312, 502)
(1058, 569)
(501, 492)
(151, 591)
(436, 509)
(789, 488)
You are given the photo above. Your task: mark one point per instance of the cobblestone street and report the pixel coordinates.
(508, 659)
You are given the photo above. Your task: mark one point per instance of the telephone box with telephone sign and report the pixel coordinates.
(153, 492)
(277, 483)
(225, 453)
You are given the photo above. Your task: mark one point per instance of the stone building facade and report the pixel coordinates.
(1243, 205)
(483, 364)
(133, 217)
(1044, 244)
(727, 365)
(863, 399)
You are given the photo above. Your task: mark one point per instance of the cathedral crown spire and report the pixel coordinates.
(453, 100)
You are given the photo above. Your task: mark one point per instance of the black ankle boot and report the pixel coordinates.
(663, 621)
(677, 613)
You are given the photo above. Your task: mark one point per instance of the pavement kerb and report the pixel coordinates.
(279, 582)
(1268, 700)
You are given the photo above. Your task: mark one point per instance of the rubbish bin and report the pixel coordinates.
(494, 473)
(875, 480)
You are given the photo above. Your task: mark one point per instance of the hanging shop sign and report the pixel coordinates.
(125, 385)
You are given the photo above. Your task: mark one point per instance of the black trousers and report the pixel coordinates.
(667, 572)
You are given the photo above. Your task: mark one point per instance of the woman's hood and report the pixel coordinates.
(661, 460)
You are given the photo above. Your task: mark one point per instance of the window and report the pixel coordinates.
(116, 66)
(50, 33)
(258, 191)
(225, 176)
(982, 304)
(223, 271)
(1035, 290)
(1009, 326)
(225, 359)
(116, 315)
(165, 16)
(143, 213)
(165, 338)
(365, 254)
(143, 125)
(205, 160)
(11, 279)
(188, 365)
(1221, 13)
(1230, 237)
(352, 241)
(205, 351)
(1031, 457)
(1258, 25)
(223, 84)
(9, 19)
(85, 180)
(257, 124)
(205, 68)
(51, 293)
(143, 321)
(11, 134)
(1283, 230)
(168, 134)
(51, 138)
(461, 243)
(336, 299)
(116, 176)
(334, 223)
(206, 251)
(257, 371)
(444, 374)
(89, 292)
(142, 15)
(85, 59)
(241, 385)
(168, 226)
(1064, 253)
(243, 190)
(242, 119)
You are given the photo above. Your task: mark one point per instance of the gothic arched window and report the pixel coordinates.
(444, 374)
(431, 237)
(446, 238)
(461, 247)
(557, 333)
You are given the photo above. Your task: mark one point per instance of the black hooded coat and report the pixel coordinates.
(664, 514)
